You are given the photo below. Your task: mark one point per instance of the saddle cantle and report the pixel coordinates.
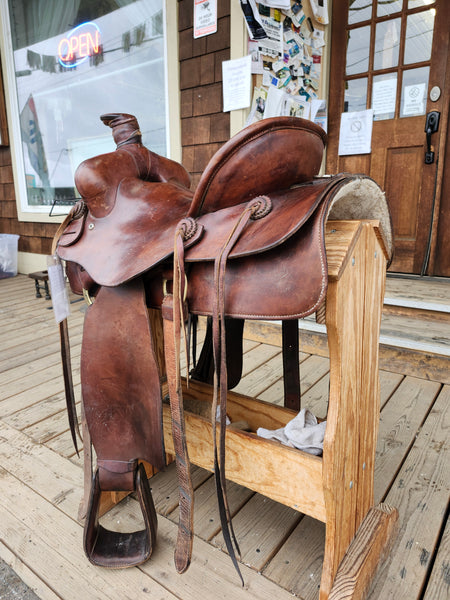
(250, 244)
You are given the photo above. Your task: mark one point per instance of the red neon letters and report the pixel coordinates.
(82, 42)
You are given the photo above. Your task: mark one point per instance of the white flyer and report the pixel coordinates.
(383, 96)
(355, 136)
(413, 99)
(60, 297)
(236, 83)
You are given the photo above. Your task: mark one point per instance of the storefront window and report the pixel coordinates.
(74, 60)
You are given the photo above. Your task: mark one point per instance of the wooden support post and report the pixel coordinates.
(353, 315)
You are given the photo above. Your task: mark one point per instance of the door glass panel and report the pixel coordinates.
(359, 10)
(388, 7)
(419, 36)
(387, 42)
(384, 92)
(355, 97)
(414, 92)
(358, 50)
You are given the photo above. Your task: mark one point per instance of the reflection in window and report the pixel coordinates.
(355, 97)
(384, 93)
(387, 40)
(68, 74)
(388, 7)
(419, 36)
(414, 92)
(359, 10)
(358, 45)
(416, 3)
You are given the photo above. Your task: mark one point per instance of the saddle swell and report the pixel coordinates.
(255, 249)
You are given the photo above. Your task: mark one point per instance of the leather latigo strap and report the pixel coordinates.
(123, 409)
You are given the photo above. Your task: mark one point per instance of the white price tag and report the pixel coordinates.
(60, 298)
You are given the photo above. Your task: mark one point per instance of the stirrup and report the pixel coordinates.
(116, 550)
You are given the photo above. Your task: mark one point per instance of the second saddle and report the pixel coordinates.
(247, 244)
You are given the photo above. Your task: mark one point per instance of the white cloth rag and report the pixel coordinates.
(303, 432)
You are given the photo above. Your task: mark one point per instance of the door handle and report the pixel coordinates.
(431, 126)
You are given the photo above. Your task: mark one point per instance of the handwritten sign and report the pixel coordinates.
(236, 81)
(383, 96)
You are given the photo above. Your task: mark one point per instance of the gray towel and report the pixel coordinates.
(303, 432)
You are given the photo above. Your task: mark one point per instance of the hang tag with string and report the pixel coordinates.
(60, 297)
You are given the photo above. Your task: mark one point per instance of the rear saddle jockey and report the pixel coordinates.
(139, 238)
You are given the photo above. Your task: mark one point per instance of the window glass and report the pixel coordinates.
(387, 41)
(416, 3)
(414, 92)
(358, 47)
(388, 7)
(419, 36)
(384, 93)
(73, 61)
(355, 97)
(359, 10)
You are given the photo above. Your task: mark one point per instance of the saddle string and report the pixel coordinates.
(172, 331)
(256, 209)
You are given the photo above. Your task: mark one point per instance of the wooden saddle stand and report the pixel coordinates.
(261, 238)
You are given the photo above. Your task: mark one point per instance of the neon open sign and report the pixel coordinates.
(83, 41)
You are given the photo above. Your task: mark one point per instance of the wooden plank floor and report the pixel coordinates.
(41, 484)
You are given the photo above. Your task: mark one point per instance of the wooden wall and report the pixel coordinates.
(34, 237)
(204, 127)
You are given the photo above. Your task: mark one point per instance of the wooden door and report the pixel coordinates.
(391, 56)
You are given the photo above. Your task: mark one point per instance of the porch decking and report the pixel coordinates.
(42, 481)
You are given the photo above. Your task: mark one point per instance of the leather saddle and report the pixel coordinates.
(247, 244)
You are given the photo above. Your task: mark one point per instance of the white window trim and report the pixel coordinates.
(173, 127)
